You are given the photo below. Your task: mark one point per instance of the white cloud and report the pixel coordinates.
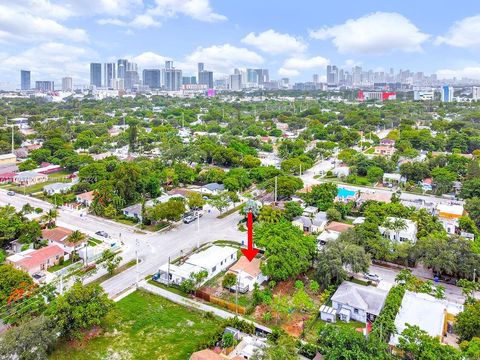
(140, 21)
(464, 33)
(19, 25)
(293, 66)
(273, 42)
(223, 58)
(196, 9)
(472, 72)
(376, 33)
(149, 59)
(51, 61)
(288, 72)
(102, 7)
(305, 63)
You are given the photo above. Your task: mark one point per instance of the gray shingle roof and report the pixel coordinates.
(367, 298)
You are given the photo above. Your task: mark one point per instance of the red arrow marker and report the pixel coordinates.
(251, 251)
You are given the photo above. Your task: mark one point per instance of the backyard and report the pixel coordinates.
(145, 326)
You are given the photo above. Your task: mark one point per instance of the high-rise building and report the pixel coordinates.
(476, 93)
(151, 78)
(44, 86)
(109, 75)
(316, 78)
(236, 82)
(172, 77)
(252, 76)
(206, 78)
(121, 68)
(25, 80)
(447, 93)
(262, 75)
(131, 79)
(201, 67)
(332, 75)
(67, 84)
(357, 75)
(96, 74)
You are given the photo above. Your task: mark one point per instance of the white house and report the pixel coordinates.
(58, 188)
(408, 233)
(212, 189)
(59, 236)
(213, 260)
(328, 314)
(358, 302)
(428, 313)
(248, 274)
(314, 224)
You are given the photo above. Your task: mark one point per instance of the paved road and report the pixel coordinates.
(387, 275)
(153, 249)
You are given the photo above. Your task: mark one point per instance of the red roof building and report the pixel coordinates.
(34, 261)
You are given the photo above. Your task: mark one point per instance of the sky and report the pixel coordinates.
(294, 39)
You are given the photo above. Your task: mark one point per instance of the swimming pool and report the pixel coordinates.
(345, 193)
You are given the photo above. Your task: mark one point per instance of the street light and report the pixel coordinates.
(136, 256)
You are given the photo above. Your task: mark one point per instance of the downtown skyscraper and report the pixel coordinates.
(96, 74)
(25, 80)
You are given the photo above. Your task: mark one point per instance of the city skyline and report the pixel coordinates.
(58, 39)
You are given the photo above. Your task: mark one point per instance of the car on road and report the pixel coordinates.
(10, 193)
(371, 277)
(39, 277)
(189, 219)
(102, 233)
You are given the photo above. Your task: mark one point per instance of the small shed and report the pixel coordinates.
(328, 314)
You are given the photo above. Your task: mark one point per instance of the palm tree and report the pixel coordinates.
(396, 225)
(75, 238)
(50, 217)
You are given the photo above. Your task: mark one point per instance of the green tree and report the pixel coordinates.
(443, 180)
(322, 196)
(172, 210)
(195, 200)
(219, 202)
(14, 284)
(110, 260)
(374, 174)
(292, 210)
(286, 186)
(80, 308)
(50, 217)
(288, 252)
(333, 215)
(229, 280)
(30, 340)
(417, 344)
(473, 208)
(269, 214)
(467, 325)
(339, 343)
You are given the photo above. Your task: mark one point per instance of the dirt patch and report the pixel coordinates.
(87, 335)
(294, 326)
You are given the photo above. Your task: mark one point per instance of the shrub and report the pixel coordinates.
(229, 280)
(384, 325)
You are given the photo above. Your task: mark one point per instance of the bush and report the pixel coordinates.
(242, 325)
(229, 280)
(228, 340)
(384, 325)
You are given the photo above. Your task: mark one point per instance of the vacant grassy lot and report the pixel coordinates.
(145, 326)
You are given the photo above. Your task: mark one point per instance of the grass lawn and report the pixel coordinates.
(311, 334)
(93, 242)
(117, 271)
(145, 326)
(58, 267)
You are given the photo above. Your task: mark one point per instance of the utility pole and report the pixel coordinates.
(276, 189)
(236, 297)
(168, 270)
(13, 141)
(300, 169)
(136, 255)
